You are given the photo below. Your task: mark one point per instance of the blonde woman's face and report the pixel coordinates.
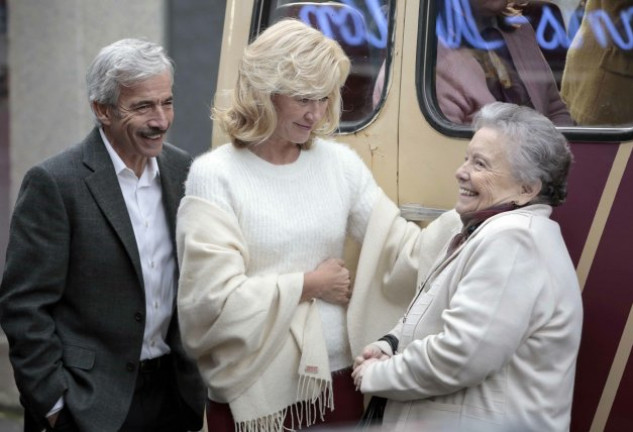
(297, 117)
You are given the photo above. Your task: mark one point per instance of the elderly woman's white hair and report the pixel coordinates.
(537, 151)
(292, 59)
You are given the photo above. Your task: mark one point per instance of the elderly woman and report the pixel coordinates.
(490, 341)
(263, 290)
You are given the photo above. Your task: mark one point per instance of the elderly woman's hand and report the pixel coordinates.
(360, 369)
(330, 282)
(370, 351)
(371, 354)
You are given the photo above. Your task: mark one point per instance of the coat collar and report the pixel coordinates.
(543, 210)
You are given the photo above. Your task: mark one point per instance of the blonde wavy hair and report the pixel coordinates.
(288, 58)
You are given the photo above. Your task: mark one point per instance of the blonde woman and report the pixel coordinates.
(263, 289)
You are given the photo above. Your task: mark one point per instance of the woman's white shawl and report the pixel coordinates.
(260, 350)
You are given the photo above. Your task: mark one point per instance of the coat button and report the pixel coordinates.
(138, 316)
(130, 366)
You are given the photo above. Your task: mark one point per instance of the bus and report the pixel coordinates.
(392, 117)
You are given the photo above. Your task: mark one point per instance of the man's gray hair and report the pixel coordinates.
(124, 63)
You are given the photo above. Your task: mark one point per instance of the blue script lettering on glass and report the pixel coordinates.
(327, 15)
(601, 24)
(456, 22)
(353, 32)
(379, 18)
(574, 23)
(558, 37)
(550, 32)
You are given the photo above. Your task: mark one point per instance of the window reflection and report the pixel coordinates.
(494, 49)
(361, 27)
(598, 77)
(488, 50)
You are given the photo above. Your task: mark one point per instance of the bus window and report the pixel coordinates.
(571, 60)
(361, 27)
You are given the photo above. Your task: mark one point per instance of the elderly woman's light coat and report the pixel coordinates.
(490, 342)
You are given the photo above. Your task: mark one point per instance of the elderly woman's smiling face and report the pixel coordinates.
(485, 178)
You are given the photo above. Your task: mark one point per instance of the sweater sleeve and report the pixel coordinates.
(460, 84)
(363, 192)
(229, 321)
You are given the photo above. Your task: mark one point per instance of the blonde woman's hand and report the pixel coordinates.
(330, 282)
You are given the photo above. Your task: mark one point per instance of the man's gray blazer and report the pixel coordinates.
(72, 300)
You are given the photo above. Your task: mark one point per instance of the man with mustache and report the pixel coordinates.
(88, 295)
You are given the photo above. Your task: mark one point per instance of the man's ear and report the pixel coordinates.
(102, 112)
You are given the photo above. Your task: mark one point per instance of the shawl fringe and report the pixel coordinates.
(315, 397)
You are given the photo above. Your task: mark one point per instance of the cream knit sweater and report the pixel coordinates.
(293, 216)
(290, 218)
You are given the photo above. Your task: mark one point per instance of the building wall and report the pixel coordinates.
(51, 46)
